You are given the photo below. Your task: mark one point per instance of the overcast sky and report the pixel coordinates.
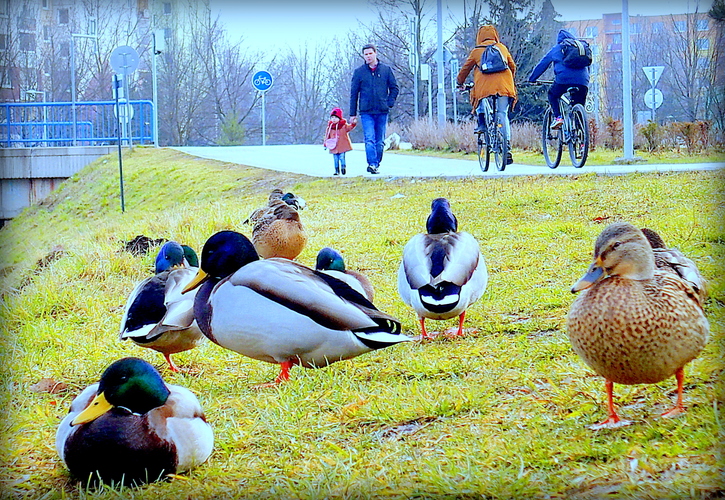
(275, 24)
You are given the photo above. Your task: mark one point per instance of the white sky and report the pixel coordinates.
(275, 24)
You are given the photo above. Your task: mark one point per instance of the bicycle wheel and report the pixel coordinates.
(551, 142)
(579, 136)
(500, 148)
(483, 153)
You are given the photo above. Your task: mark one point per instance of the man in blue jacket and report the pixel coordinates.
(564, 77)
(374, 86)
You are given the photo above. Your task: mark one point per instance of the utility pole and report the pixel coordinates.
(441, 66)
(627, 85)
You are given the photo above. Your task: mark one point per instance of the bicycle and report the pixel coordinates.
(491, 140)
(574, 132)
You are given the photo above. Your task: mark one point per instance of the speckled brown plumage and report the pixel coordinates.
(635, 323)
(279, 232)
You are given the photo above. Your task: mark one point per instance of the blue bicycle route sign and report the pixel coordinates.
(262, 81)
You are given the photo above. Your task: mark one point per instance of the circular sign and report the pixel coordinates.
(262, 81)
(653, 100)
(124, 60)
(125, 110)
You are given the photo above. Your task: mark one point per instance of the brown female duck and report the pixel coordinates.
(637, 322)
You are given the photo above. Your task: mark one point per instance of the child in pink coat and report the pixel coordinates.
(337, 140)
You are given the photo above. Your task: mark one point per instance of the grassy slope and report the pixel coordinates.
(502, 412)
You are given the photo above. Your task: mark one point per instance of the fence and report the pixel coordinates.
(52, 124)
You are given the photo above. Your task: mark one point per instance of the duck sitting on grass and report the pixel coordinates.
(330, 261)
(442, 272)
(133, 428)
(279, 232)
(636, 322)
(282, 312)
(157, 316)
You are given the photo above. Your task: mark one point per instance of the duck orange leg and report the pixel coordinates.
(679, 408)
(283, 374)
(424, 334)
(461, 318)
(613, 419)
(172, 366)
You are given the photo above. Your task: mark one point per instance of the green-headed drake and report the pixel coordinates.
(157, 316)
(132, 427)
(330, 261)
(282, 312)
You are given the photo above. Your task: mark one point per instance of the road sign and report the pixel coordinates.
(653, 73)
(125, 111)
(124, 60)
(653, 98)
(262, 81)
(425, 72)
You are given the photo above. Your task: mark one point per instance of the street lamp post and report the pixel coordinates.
(73, 36)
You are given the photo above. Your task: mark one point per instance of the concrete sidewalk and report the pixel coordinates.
(316, 161)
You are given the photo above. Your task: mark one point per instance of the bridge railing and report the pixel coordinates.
(42, 124)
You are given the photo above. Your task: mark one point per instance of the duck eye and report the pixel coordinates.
(616, 245)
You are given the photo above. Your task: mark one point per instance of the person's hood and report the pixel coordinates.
(562, 35)
(336, 112)
(487, 32)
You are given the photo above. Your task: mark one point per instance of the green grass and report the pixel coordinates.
(599, 156)
(501, 413)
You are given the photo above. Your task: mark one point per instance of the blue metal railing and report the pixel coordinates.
(41, 124)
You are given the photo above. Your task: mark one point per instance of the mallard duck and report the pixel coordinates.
(277, 194)
(279, 232)
(282, 312)
(132, 427)
(634, 322)
(157, 315)
(442, 272)
(330, 261)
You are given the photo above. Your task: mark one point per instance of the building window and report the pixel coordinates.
(63, 16)
(703, 63)
(636, 29)
(46, 4)
(168, 33)
(703, 43)
(26, 41)
(91, 26)
(5, 82)
(658, 27)
(617, 21)
(3, 42)
(46, 32)
(4, 7)
(617, 38)
(64, 49)
(702, 25)
(680, 26)
(26, 24)
(591, 32)
(167, 8)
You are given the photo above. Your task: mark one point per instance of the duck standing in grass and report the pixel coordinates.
(442, 272)
(157, 316)
(330, 261)
(279, 311)
(279, 232)
(636, 322)
(133, 428)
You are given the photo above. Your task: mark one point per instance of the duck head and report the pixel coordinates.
(329, 259)
(190, 255)
(131, 383)
(170, 256)
(223, 254)
(441, 219)
(620, 250)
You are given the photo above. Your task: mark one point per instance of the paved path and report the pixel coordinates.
(316, 161)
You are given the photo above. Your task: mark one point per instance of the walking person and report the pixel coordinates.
(565, 76)
(337, 140)
(485, 83)
(372, 94)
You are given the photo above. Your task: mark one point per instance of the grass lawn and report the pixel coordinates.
(501, 413)
(599, 156)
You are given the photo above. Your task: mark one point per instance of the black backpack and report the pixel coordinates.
(492, 60)
(577, 53)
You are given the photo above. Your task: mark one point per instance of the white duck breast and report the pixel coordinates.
(290, 311)
(441, 275)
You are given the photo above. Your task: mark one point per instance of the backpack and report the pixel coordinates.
(492, 60)
(577, 53)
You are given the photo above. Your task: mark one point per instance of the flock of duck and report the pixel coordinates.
(638, 319)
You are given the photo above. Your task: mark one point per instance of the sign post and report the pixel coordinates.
(653, 97)
(262, 82)
(117, 88)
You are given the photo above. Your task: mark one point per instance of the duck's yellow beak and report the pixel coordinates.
(200, 278)
(98, 407)
(594, 274)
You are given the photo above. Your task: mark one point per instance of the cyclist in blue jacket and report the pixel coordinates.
(374, 86)
(564, 78)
